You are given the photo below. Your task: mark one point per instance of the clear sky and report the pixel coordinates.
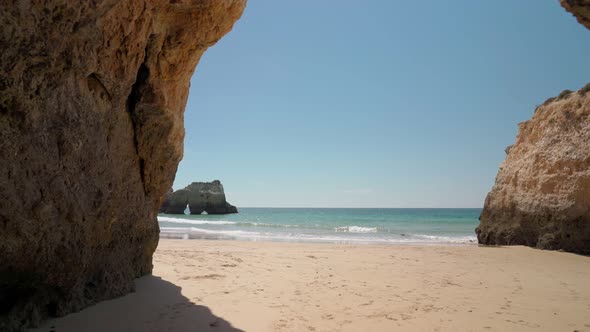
(374, 103)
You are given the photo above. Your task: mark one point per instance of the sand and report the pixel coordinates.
(208, 285)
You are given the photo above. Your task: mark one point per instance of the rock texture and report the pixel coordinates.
(542, 193)
(201, 197)
(166, 201)
(92, 96)
(580, 9)
(541, 197)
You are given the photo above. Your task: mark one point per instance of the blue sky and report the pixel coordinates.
(374, 103)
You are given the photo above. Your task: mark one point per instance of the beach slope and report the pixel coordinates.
(201, 285)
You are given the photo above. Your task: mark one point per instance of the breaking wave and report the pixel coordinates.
(355, 229)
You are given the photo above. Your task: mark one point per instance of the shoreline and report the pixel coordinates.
(218, 285)
(182, 234)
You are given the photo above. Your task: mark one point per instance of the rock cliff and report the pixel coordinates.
(201, 197)
(166, 201)
(542, 193)
(580, 9)
(92, 96)
(541, 197)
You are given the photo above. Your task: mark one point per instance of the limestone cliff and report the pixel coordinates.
(201, 197)
(541, 197)
(542, 193)
(92, 95)
(166, 201)
(580, 9)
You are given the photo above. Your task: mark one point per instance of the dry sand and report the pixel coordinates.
(205, 285)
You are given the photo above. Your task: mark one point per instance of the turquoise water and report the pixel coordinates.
(436, 226)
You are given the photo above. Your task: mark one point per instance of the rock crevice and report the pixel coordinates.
(134, 98)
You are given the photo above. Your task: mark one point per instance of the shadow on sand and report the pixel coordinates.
(156, 306)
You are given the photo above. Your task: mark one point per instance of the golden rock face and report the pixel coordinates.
(542, 193)
(541, 197)
(92, 96)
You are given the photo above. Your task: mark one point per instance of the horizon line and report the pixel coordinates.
(352, 207)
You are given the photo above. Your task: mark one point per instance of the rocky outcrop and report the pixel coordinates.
(92, 96)
(542, 193)
(580, 9)
(200, 197)
(541, 197)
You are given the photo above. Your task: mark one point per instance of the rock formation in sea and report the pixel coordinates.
(541, 197)
(92, 95)
(201, 197)
(542, 193)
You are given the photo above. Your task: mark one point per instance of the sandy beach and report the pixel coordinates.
(207, 285)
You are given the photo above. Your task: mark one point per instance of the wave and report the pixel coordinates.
(225, 222)
(443, 239)
(195, 222)
(252, 230)
(343, 229)
(262, 224)
(199, 233)
(222, 222)
(355, 229)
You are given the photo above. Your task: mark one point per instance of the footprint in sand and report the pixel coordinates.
(523, 323)
(207, 276)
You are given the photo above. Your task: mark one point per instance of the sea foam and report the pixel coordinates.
(200, 233)
(355, 229)
(195, 222)
(372, 226)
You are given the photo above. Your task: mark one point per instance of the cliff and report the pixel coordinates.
(201, 197)
(166, 201)
(580, 9)
(541, 197)
(92, 96)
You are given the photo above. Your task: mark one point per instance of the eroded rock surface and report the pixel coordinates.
(580, 9)
(542, 193)
(166, 201)
(92, 96)
(201, 197)
(541, 197)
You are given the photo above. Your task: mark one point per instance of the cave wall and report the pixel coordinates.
(92, 96)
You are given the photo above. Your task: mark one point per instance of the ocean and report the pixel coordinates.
(330, 225)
